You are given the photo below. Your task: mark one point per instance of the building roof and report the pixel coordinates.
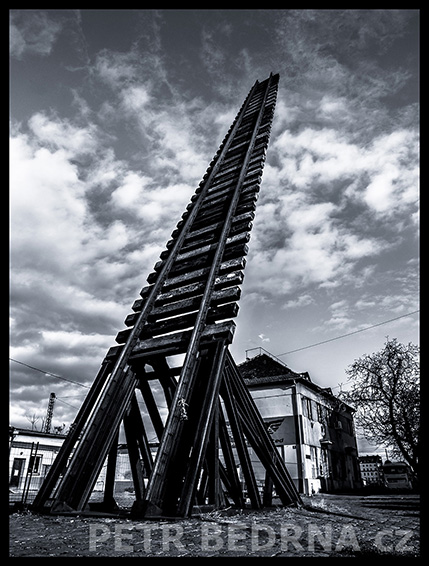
(28, 432)
(265, 365)
(370, 459)
(267, 370)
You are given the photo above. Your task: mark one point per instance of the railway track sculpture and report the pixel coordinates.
(186, 308)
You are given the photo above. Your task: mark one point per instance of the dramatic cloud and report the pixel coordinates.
(32, 33)
(115, 117)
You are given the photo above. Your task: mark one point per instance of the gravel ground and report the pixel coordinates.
(328, 525)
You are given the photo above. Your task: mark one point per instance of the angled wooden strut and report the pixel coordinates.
(186, 309)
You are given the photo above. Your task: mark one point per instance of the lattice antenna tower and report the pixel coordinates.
(49, 413)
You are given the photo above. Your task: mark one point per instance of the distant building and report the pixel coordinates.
(31, 454)
(371, 470)
(312, 429)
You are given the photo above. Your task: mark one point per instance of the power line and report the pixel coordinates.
(277, 355)
(348, 334)
(68, 404)
(49, 373)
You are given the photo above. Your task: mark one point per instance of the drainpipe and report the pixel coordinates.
(298, 440)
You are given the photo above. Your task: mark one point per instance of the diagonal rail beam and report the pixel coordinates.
(174, 424)
(89, 428)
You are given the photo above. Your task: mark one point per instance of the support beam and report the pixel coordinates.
(133, 432)
(240, 444)
(259, 438)
(203, 427)
(109, 484)
(152, 407)
(228, 471)
(44, 495)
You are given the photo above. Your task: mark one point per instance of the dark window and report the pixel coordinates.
(34, 464)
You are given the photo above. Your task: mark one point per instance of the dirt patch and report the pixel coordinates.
(327, 526)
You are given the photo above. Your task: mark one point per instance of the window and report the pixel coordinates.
(34, 464)
(319, 412)
(307, 408)
(314, 462)
(304, 406)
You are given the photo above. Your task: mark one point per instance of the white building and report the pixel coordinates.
(312, 429)
(31, 454)
(371, 469)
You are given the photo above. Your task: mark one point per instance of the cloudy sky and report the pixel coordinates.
(115, 115)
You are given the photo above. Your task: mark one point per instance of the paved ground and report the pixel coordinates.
(329, 525)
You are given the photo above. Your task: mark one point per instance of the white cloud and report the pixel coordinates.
(305, 217)
(106, 170)
(395, 180)
(45, 193)
(355, 247)
(315, 182)
(72, 341)
(128, 194)
(115, 69)
(65, 267)
(299, 302)
(340, 318)
(297, 243)
(153, 204)
(32, 32)
(135, 98)
(61, 133)
(333, 106)
(318, 157)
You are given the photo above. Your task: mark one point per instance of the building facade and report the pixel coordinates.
(31, 454)
(371, 469)
(312, 429)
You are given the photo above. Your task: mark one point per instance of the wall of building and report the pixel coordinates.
(316, 439)
(371, 469)
(276, 405)
(274, 401)
(42, 449)
(37, 449)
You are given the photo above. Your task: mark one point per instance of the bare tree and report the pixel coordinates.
(59, 429)
(386, 394)
(32, 419)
